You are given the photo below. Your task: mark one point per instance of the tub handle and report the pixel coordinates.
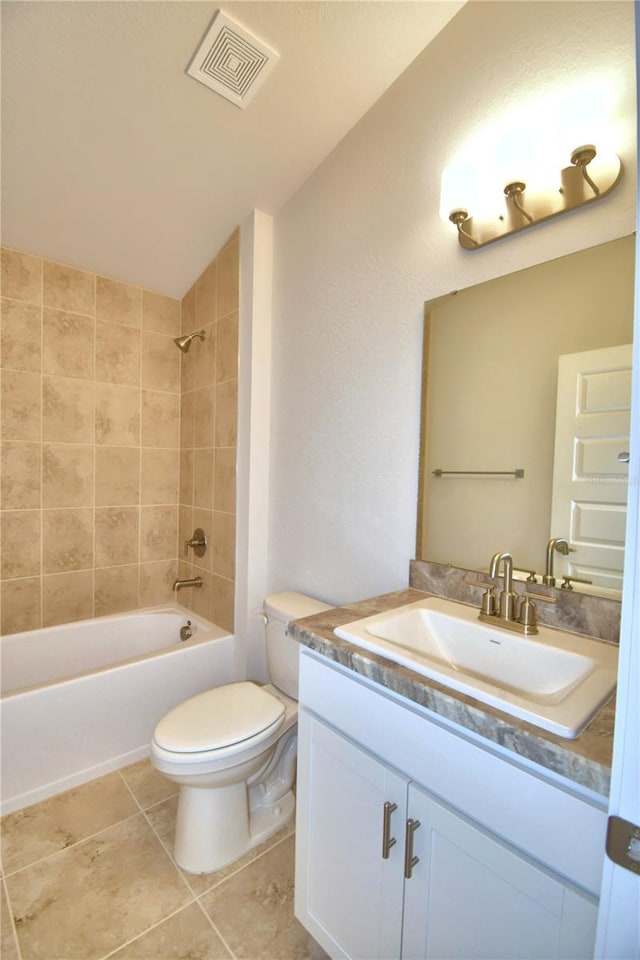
(198, 543)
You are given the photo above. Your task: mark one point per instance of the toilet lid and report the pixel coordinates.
(219, 718)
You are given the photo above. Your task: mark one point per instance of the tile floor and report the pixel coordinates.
(88, 874)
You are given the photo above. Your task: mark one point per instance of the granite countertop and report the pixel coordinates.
(585, 760)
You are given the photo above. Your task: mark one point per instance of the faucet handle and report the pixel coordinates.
(567, 581)
(540, 596)
(528, 617)
(488, 605)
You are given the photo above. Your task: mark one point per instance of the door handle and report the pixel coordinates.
(409, 859)
(387, 840)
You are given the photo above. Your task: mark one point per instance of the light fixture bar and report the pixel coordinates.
(590, 177)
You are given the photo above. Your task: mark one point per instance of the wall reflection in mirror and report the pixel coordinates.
(531, 372)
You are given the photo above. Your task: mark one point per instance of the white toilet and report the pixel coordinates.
(233, 750)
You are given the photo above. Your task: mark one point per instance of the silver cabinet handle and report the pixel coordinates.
(387, 840)
(409, 859)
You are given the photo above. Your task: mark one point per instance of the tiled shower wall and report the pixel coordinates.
(208, 421)
(91, 422)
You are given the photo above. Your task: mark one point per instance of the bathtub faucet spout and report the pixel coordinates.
(179, 584)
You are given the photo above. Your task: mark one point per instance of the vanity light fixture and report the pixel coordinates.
(590, 177)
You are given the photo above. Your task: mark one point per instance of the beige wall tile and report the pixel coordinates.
(186, 527)
(202, 597)
(20, 473)
(117, 415)
(224, 546)
(160, 362)
(117, 353)
(160, 419)
(118, 302)
(117, 476)
(67, 540)
(226, 413)
(65, 288)
(205, 358)
(203, 425)
(67, 597)
(203, 478)
(159, 478)
(115, 590)
(67, 410)
(21, 405)
(188, 363)
(20, 543)
(156, 581)
(21, 276)
(189, 310)
(67, 475)
(186, 477)
(225, 479)
(228, 279)
(68, 344)
(185, 572)
(21, 342)
(116, 536)
(160, 313)
(223, 600)
(227, 348)
(187, 419)
(206, 296)
(203, 520)
(21, 605)
(158, 533)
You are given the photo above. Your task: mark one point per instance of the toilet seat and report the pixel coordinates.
(220, 721)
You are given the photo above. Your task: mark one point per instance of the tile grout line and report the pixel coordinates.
(217, 932)
(157, 835)
(11, 917)
(71, 846)
(143, 933)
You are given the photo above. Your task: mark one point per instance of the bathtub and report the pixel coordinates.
(82, 699)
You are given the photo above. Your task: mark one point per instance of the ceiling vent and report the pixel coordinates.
(231, 61)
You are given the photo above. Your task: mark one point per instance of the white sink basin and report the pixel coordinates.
(555, 680)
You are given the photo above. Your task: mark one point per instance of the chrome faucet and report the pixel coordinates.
(507, 596)
(562, 546)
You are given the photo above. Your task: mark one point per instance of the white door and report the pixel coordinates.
(348, 895)
(590, 480)
(473, 897)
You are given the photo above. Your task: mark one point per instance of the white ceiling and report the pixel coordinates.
(114, 160)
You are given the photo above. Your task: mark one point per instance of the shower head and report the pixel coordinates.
(183, 343)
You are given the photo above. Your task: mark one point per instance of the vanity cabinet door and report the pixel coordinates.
(347, 895)
(472, 897)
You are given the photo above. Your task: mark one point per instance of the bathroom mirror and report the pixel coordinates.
(490, 377)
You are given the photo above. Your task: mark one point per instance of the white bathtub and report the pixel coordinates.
(82, 699)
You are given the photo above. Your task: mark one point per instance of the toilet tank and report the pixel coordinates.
(282, 651)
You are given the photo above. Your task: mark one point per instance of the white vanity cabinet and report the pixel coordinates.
(501, 863)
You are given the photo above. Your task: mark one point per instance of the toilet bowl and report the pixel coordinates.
(232, 750)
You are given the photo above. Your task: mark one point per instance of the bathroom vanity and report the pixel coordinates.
(430, 825)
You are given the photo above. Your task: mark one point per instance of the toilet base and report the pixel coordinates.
(214, 827)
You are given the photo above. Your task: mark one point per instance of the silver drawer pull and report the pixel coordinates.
(387, 840)
(409, 859)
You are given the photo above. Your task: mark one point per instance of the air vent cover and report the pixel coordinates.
(231, 61)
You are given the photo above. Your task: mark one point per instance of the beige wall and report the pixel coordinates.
(91, 442)
(208, 436)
